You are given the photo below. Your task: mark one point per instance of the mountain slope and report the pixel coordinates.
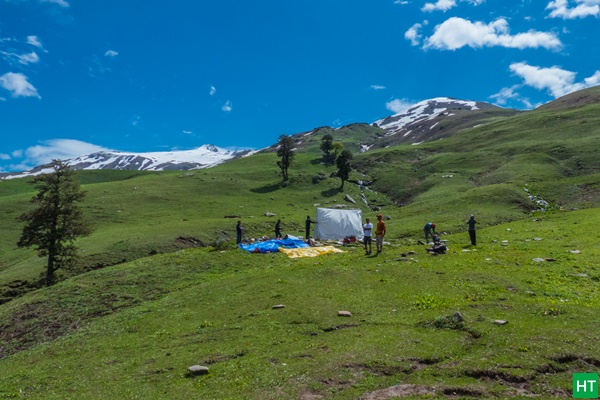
(434, 119)
(425, 121)
(205, 156)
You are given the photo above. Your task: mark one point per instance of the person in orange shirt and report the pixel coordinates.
(379, 233)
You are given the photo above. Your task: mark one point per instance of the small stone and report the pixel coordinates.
(537, 239)
(505, 241)
(488, 259)
(198, 370)
(269, 214)
(550, 259)
(500, 322)
(349, 199)
(582, 275)
(458, 317)
(539, 260)
(575, 252)
(529, 292)
(344, 314)
(466, 250)
(276, 306)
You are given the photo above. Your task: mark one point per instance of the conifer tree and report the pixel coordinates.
(327, 147)
(285, 150)
(343, 165)
(56, 221)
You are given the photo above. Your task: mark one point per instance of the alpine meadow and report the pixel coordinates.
(159, 284)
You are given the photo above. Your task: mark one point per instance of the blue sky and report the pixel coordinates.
(77, 76)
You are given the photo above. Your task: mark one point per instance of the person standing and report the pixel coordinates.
(429, 230)
(368, 236)
(238, 230)
(307, 226)
(278, 229)
(379, 233)
(471, 222)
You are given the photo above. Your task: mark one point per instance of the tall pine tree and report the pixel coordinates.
(56, 221)
(285, 151)
(343, 165)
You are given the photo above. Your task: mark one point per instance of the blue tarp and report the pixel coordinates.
(271, 246)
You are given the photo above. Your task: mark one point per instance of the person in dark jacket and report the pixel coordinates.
(238, 230)
(278, 229)
(471, 222)
(307, 227)
(429, 230)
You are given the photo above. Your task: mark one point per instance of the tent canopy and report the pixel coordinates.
(334, 224)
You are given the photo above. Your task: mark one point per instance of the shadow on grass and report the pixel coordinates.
(331, 192)
(267, 188)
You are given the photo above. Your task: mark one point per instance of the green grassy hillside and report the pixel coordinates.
(160, 286)
(132, 330)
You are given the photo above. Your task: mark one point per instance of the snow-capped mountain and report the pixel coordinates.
(202, 157)
(432, 119)
(425, 110)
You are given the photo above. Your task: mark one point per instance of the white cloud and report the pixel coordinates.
(187, 132)
(506, 94)
(111, 53)
(61, 3)
(377, 87)
(584, 8)
(227, 107)
(4, 157)
(557, 81)
(403, 2)
(29, 58)
(213, 90)
(18, 85)
(413, 34)
(456, 33)
(398, 105)
(60, 149)
(34, 41)
(511, 93)
(441, 5)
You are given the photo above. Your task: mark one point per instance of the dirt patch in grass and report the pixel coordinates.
(342, 326)
(217, 358)
(579, 361)
(399, 391)
(463, 392)
(495, 375)
(187, 242)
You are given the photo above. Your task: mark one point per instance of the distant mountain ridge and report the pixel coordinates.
(425, 121)
(205, 156)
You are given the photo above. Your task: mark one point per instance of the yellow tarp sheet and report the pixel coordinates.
(310, 251)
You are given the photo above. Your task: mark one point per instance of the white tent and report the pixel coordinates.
(337, 224)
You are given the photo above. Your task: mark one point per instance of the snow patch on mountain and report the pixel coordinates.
(423, 111)
(205, 156)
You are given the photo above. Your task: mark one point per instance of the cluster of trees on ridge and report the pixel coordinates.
(332, 153)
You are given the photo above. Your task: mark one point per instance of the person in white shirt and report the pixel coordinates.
(368, 236)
